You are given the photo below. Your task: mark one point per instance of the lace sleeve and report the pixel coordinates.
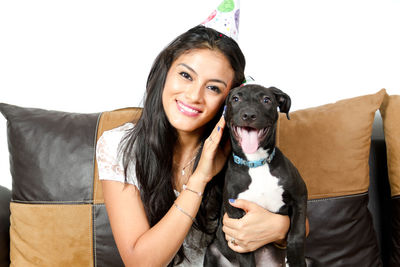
(109, 162)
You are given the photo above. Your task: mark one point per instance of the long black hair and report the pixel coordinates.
(150, 144)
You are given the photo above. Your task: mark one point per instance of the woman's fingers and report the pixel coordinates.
(216, 134)
(257, 227)
(212, 158)
(237, 245)
(230, 224)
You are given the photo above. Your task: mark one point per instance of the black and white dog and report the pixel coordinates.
(259, 172)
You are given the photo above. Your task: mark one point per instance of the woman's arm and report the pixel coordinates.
(142, 245)
(257, 228)
(138, 244)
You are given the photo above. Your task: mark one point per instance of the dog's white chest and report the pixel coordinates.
(264, 189)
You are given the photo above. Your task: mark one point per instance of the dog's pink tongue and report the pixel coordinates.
(249, 141)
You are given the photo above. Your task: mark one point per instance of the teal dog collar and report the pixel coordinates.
(255, 163)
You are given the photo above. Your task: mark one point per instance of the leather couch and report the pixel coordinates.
(343, 231)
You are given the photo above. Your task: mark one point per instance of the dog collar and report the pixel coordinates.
(255, 163)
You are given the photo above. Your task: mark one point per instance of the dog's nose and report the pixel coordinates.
(248, 115)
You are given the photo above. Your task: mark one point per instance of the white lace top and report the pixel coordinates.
(110, 167)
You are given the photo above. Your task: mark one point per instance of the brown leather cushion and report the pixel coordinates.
(390, 111)
(330, 145)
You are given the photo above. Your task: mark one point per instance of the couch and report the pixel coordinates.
(347, 153)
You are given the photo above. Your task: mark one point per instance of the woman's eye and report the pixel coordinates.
(266, 99)
(185, 75)
(235, 99)
(214, 88)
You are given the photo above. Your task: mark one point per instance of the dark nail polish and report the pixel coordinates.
(218, 128)
(232, 200)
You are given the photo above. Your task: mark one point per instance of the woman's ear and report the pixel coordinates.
(283, 100)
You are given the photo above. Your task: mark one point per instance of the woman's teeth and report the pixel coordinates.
(187, 108)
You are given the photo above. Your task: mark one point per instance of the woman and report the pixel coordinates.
(163, 189)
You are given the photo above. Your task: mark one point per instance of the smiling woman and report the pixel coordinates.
(161, 176)
(197, 84)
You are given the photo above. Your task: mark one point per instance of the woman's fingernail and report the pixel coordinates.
(223, 113)
(232, 200)
(218, 128)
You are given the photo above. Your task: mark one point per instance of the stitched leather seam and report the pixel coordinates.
(339, 197)
(53, 201)
(94, 157)
(94, 235)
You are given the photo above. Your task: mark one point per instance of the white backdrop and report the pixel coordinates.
(90, 56)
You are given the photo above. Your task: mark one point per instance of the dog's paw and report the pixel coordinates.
(286, 262)
(301, 264)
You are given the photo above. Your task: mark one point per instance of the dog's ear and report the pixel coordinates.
(284, 101)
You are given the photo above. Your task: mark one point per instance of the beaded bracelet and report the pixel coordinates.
(184, 187)
(278, 245)
(184, 212)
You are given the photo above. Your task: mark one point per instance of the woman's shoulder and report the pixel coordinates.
(108, 156)
(120, 130)
(110, 140)
(113, 136)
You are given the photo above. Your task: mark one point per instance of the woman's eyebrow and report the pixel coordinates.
(188, 67)
(192, 70)
(219, 81)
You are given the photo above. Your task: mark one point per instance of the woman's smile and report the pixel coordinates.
(187, 109)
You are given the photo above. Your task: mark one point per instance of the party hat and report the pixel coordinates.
(225, 19)
(248, 80)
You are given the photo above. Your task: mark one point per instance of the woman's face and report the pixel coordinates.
(196, 86)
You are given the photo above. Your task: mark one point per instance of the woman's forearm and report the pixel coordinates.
(158, 245)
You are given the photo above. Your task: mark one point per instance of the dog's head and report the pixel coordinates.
(252, 113)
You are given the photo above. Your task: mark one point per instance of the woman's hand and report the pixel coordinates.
(255, 229)
(213, 157)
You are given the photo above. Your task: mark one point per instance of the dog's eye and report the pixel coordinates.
(267, 99)
(235, 99)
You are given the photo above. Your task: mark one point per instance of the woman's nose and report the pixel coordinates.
(194, 93)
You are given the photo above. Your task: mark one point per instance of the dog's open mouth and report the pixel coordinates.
(249, 138)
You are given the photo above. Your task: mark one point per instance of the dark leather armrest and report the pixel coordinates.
(379, 189)
(5, 197)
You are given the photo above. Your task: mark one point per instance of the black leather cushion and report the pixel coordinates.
(51, 154)
(5, 197)
(395, 259)
(341, 233)
(106, 255)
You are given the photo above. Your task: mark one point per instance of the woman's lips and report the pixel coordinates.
(187, 110)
